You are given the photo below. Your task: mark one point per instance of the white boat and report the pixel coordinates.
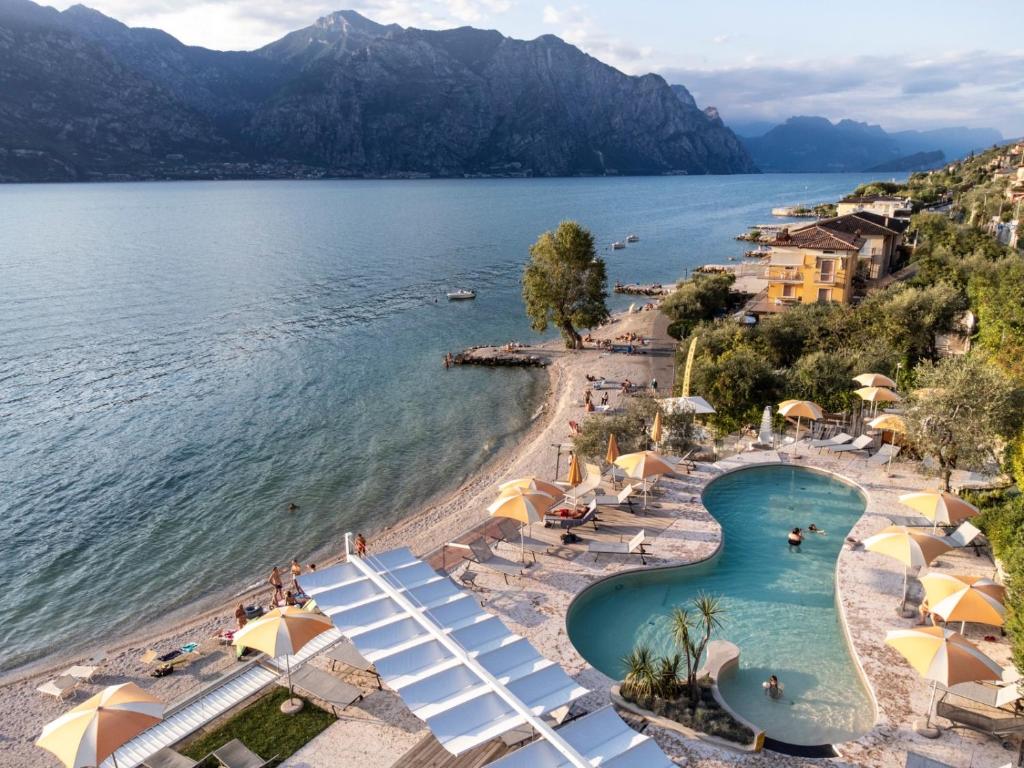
(618, 245)
(461, 295)
(631, 238)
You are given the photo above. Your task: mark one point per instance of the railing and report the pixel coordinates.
(785, 275)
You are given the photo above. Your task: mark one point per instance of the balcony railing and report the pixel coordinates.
(792, 276)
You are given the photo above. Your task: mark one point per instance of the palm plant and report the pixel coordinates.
(692, 633)
(641, 680)
(668, 675)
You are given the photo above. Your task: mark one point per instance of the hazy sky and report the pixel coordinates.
(911, 64)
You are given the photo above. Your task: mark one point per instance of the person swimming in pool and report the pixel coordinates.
(795, 539)
(772, 688)
(812, 528)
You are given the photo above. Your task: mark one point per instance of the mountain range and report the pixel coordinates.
(817, 145)
(83, 97)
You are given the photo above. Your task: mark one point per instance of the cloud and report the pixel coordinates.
(719, 39)
(551, 15)
(891, 91)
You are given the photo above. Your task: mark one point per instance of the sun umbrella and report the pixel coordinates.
(656, 428)
(940, 507)
(876, 395)
(91, 732)
(965, 598)
(613, 449)
(575, 476)
(642, 465)
(874, 380)
(530, 484)
(892, 423)
(526, 506)
(942, 656)
(283, 632)
(802, 409)
(910, 547)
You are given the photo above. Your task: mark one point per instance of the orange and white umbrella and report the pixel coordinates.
(965, 598)
(802, 409)
(522, 504)
(874, 380)
(892, 423)
(613, 449)
(575, 475)
(913, 548)
(942, 656)
(91, 732)
(643, 465)
(940, 506)
(656, 428)
(876, 395)
(282, 632)
(530, 484)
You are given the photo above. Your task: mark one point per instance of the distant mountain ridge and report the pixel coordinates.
(82, 96)
(817, 145)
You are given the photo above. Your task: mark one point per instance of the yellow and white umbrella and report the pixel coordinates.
(613, 449)
(91, 732)
(802, 409)
(874, 380)
(530, 484)
(643, 465)
(524, 505)
(575, 475)
(283, 632)
(911, 547)
(940, 507)
(942, 656)
(656, 429)
(965, 598)
(876, 395)
(892, 423)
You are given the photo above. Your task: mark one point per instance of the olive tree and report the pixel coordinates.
(565, 283)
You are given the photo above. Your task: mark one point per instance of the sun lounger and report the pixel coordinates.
(326, 687)
(83, 673)
(966, 535)
(841, 439)
(510, 533)
(589, 516)
(860, 444)
(885, 454)
(182, 655)
(591, 482)
(915, 760)
(482, 555)
(61, 688)
(346, 653)
(235, 754)
(622, 499)
(634, 546)
(684, 462)
(168, 758)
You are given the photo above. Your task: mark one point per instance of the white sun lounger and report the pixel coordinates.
(860, 444)
(485, 558)
(634, 546)
(61, 688)
(511, 535)
(841, 439)
(965, 535)
(83, 673)
(591, 482)
(571, 522)
(884, 454)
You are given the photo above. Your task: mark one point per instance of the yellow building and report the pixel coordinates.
(812, 264)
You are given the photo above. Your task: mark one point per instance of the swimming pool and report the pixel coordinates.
(779, 605)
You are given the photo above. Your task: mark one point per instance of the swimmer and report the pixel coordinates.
(812, 528)
(795, 539)
(772, 688)
(292, 506)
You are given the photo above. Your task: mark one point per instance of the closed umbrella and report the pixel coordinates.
(530, 484)
(524, 505)
(643, 465)
(656, 428)
(965, 598)
(892, 423)
(874, 380)
(613, 449)
(940, 507)
(283, 632)
(876, 395)
(575, 476)
(802, 409)
(942, 656)
(91, 732)
(913, 548)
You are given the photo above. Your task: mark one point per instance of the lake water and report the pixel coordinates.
(179, 361)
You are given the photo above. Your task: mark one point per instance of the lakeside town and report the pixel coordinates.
(876, 351)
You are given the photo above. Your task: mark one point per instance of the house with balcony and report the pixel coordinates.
(882, 235)
(811, 264)
(883, 205)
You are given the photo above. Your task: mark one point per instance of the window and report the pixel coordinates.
(826, 270)
(788, 291)
(824, 295)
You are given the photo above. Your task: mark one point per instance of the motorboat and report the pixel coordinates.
(631, 238)
(618, 245)
(461, 295)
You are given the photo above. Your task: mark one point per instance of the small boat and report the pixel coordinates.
(632, 238)
(618, 245)
(461, 295)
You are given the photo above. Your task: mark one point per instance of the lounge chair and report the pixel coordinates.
(337, 694)
(884, 455)
(684, 462)
(346, 653)
(168, 758)
(623, 498)
(966, 535)
(860, 444)
(182, 655)
(482, 555)
(510, 533)
(60, 688)
(80, 672)
(635, 546)
(590, 516)
(915, 760)
(591, 482)
(841, 439)
(235, 754)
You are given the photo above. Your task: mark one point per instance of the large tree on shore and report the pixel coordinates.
(565, 283)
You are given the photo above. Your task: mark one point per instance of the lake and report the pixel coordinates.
(180, 361)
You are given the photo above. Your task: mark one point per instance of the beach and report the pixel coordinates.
(24, 711)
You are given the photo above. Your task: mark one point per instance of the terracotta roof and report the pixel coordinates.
(818, 238)
(864, 224)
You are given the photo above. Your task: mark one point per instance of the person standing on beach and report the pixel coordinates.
(296, 570)
(360, 545)
(240, 617)
(275, 579)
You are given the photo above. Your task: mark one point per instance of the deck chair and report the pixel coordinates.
(884, 454)
(915, 760)
(511, 534)
(590, 516)
(337, 694)
(623, 498)
(168, 758)
(860, 444)
(60, 688)
(483, 556)
(80, 672)
(591, 482)
(634, 546)
(841, 439)
(966, 535)
(235, 754)
(684, 462)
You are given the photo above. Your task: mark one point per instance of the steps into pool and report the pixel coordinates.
(800, 750)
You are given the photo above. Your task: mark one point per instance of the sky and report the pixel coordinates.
(915, 64)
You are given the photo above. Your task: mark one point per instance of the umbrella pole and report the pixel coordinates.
(113, 756)
(288, 665)
(931, 704)
(522, 546)
(892, 444)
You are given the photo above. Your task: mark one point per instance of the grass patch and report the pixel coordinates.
(264, 729)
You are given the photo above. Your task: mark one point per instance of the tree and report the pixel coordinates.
(691, 633)
(632, 430)
(961, 410)
(739, 384)
(700, 298)
(565, 283)
(824, 378)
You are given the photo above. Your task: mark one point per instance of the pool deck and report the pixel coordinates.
(681, 531)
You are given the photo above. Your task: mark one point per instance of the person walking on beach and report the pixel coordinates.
(360, 545)
(296, 569)
(654, 386)
(240, 618)
(275, 578)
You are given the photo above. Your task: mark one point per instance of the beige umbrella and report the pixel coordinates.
(526, 506)
(876, 395)
(874, 380)
(643, 465)
(613, 449)
(91, 732)
(965, 598)
(802, 409)
(911, 547)
(656, 428)
(530, 484)
(283, 632)
(942, 656)
(940, 507)
(892, 423)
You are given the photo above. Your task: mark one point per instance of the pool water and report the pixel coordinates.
(779, 606)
